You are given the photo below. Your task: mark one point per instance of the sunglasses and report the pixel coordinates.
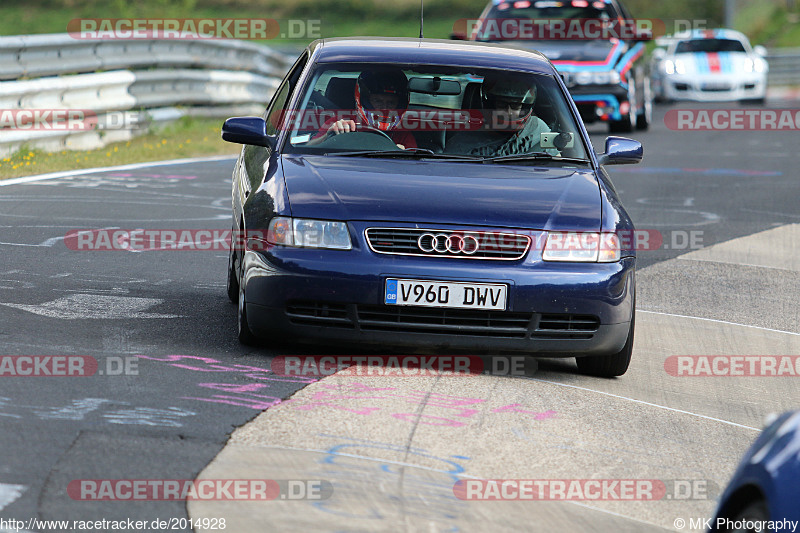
(504, 103)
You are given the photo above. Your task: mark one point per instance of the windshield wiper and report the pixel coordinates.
(533, 156)
(378, 153)
(408, 152)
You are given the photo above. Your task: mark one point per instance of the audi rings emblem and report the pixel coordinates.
(442, 243)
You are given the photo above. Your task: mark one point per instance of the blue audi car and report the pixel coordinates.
(431, 195)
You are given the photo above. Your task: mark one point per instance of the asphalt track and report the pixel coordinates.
(199, 405)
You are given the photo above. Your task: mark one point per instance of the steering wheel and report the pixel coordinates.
(370, 129)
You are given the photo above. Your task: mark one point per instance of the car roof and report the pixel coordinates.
(429, 52)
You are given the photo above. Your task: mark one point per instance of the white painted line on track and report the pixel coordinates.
(95, 307)
(133, 166)
(663, 406)
(9, 493)
(49, 243)
(682, 258)
(718, 321)
(647, 403)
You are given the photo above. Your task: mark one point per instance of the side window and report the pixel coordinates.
(255, 157)
(278, 105)
(274, 114)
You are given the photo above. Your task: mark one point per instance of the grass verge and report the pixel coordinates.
(188, 137)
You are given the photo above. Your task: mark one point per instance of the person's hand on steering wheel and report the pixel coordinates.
(341, 126)
(349, 125)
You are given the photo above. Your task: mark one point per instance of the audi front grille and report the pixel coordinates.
(448, 243)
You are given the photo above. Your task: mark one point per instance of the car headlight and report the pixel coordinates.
(759, 65)
(749, 66)
(580, 247)
(680, 67)
(309, 233)
(609, 77)
(669, 66)
(583, 78)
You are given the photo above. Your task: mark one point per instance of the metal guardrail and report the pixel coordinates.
(57, 54)
(784, 66)
(211, 77)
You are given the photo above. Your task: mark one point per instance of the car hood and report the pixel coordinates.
(713, 62)
(565, 53)
(438, 192)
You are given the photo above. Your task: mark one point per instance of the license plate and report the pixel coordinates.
(425, 293)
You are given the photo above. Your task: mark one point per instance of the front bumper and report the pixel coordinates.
(717, 88)
(554, 309)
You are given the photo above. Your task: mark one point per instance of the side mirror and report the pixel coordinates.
(621, 151)
(659, 54)
(248, 130)
(760, 50)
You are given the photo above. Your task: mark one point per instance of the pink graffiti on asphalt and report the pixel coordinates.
(462, 406)
(238, 395)
(250, 394)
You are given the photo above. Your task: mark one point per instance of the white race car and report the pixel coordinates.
(709, 65)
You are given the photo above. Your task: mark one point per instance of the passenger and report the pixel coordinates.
(508, 116)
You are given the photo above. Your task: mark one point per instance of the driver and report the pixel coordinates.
(514, 128)
(381, 99)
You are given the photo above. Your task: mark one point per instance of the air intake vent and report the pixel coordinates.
(446, 321)
(500, 324)
(553, 326)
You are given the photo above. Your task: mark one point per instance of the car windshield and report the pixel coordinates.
(544, 9)
(709, 45)
(433, 111)
(540, 11)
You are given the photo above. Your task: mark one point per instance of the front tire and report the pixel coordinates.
(626, 125)
(246, 336)
(628, 122)
(644, 119)
(755, 511)
(232, 284)
(609, 366)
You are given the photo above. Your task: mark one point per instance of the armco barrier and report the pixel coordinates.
(784, 66)
(58, 54)
(214, 78)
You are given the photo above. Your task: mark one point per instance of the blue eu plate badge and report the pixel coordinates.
(391, 291)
